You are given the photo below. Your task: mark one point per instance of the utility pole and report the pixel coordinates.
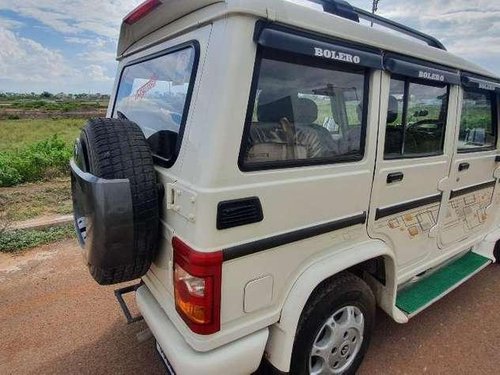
(374, 8)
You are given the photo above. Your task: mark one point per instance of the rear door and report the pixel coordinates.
(415, 143)
(469, 209)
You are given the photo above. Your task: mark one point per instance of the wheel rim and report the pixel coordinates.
(338, 342)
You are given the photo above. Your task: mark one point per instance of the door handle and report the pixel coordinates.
(463, 167)
(497, 158)
(394, 177)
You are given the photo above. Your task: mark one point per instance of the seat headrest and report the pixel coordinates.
(392, 111)
(306, 111)
(272, 108)
(359, 112)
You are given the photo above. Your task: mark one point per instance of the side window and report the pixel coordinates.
(416, 119)
(478, 122)
(304, 112)
(155, 93)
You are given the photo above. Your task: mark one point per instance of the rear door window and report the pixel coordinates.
(416, 118)
(155, 93)
(304, 112)
(478, 124)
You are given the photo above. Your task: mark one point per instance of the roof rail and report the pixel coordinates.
(343, 9)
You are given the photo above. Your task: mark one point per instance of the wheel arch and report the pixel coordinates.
(282, 334)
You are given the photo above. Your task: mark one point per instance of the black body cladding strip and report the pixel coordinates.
(396, 209)
(289, 237)
(470, 189)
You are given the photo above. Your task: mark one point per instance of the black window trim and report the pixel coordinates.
(406, 66)
(286, 38)
(297, 163)
(162, 162)
(407, 81)
(494, 119)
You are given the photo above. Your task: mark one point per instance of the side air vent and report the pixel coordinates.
(239, 212)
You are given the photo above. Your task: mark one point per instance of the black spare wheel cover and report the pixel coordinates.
(115, 200)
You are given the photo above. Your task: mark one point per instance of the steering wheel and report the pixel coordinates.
(418, 127)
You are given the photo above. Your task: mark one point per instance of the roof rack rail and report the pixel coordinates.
(343, 9)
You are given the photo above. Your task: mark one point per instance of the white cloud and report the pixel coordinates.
(76, 16)
(93, 42)
(97, 73)
(97, 56)
(23, 59)
(9, 24)
(26, 65)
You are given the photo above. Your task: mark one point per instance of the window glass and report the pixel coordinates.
(416, 119)
(153, 94)
(477, 128)
(305, 113)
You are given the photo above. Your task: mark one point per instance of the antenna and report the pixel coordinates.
(374, 9)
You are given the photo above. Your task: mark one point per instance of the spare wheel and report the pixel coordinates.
(115, 200)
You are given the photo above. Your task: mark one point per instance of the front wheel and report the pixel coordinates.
(335, 328)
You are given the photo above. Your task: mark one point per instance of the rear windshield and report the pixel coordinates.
(154, 93)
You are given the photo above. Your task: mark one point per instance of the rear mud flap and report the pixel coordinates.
(103, 218)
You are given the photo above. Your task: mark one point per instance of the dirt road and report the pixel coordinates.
(55, 320)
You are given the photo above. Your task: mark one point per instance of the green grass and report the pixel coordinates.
(16, 240)
(35, 150)
(15, 134)
(41, 160)
(55, 105)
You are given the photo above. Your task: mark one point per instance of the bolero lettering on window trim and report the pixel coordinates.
(336, 52)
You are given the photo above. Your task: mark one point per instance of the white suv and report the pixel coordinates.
(274, 172)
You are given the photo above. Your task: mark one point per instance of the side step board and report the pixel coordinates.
(419, 295)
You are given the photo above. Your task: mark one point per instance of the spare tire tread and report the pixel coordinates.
(118, 150)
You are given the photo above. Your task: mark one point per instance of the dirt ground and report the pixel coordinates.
(41, 200)
(55, 320)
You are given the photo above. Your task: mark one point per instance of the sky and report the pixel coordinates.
(70, 45)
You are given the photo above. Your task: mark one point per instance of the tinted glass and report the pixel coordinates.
(304, 113)
(153, 94)
(416, 119)
(477, 127)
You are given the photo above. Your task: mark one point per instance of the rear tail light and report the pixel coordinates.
(141, 11)
(197, 287)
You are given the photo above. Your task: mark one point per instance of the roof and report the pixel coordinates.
(298, 16)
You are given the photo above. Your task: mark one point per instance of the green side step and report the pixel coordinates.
(421, 294)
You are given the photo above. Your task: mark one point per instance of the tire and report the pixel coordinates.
(341, 295)
(496, 252)
(117, 149)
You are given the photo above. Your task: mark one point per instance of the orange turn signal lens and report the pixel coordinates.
(197, 287)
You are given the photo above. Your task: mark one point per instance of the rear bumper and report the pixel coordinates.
(242, 356)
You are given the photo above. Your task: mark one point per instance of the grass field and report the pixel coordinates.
(35, 150)
(34, 157)
(17, 134)
(16, 240)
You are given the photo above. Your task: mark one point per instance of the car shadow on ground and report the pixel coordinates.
(117, 351)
